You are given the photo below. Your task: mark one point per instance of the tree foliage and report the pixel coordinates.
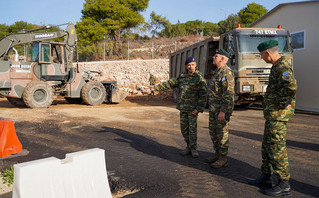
(190, 27)
(101, 18)
(228, 24)
(251, 13)
(157, 22)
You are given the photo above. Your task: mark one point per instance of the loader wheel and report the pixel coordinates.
(18, 102)
(93, 93)
(38, 95)
(73, 100)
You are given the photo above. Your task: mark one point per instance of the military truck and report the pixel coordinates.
(46, 71)
(251, 72)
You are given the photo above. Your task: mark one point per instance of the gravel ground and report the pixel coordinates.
(142, 141)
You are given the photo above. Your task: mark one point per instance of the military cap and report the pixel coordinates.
(223, 52)
(189, 60)
(266, 45)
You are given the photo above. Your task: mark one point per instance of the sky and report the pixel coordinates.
(55, 12)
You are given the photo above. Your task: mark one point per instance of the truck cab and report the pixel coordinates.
(251, 72)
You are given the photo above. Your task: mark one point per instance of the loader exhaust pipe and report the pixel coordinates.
(16, 55)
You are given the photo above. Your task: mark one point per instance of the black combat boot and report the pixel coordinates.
(186, 151)
(195, 153)
(263, 181)
(221, 162)
(214, 158)
(281, 189)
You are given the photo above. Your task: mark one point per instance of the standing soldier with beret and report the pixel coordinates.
(221, 105)
(191, 101)
(279, 107)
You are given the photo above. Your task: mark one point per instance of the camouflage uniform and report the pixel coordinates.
(192, 96)
(152, 80)
(281, 91)
(221, 98)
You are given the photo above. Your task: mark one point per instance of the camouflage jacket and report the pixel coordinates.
(152, 80)
(281, 91)
(221, 90)
(193, 90)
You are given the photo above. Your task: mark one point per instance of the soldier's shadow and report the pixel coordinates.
(238, 171)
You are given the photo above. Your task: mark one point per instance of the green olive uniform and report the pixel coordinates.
(281, 91)
(221, 98)
(193, 90)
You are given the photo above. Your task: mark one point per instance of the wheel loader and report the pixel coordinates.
(46, 71)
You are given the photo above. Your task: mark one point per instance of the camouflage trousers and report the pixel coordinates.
(218, 132)
(274, 152)
(189, 128)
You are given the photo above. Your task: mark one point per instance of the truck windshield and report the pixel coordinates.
(247, 44)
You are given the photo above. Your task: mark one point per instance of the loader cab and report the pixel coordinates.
(47, 53)
(49, 61)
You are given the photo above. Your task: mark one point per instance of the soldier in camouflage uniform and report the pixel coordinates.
(279, 107)
(152, 80)
(221, 105)
(191, 101)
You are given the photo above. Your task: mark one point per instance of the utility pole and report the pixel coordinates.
(153, 48)
(104, 48)
(128, 48)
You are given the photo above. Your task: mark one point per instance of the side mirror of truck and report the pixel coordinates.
(232, 59)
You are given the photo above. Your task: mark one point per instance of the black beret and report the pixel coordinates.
(266, 45)
(223, 52)
(189, 60)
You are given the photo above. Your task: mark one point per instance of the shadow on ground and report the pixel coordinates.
(238, 171)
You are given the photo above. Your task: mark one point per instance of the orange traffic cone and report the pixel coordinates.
(9, 142)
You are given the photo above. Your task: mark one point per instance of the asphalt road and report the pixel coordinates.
(142, 142)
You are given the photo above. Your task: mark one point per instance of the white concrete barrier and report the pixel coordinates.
(80, 175)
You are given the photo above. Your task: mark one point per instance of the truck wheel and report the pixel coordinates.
(73, 100)
(93, 93)
(38, 95)
(18, 102)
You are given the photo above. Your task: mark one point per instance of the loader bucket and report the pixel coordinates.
(113, 94)
(117, 95)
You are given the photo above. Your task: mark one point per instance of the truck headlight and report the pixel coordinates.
(246, 88)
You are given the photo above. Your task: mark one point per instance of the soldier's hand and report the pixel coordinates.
(195, 112)
(284, 106)
(221, 116)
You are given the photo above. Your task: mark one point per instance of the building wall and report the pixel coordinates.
(298, 17)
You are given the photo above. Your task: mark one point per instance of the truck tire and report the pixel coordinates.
(18, 102)
(38, 95)
(73, 100)
(93, 93)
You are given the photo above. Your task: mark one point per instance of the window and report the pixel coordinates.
(247, 44)
(298, 40)
(35, 52)
(45, 53)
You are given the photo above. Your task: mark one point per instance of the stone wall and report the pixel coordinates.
(131, 76)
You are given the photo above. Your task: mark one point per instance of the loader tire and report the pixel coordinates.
(18, 102)
(38, 95)
(93, 93)
(73, 100)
